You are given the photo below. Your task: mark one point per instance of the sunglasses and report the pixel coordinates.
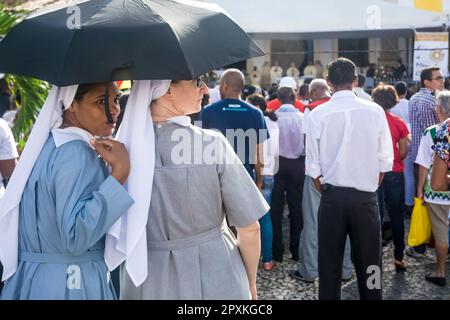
(438, 78)
(198, 82)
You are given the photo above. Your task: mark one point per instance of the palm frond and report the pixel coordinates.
(33, 93)
(8, 19)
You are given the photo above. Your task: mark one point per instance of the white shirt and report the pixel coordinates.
(270, 148)
(349, 142)
(401, 110)
(214, 95)
(8, 150)
(360, 93)
(9, 117)
(305, 120)
(291, 134)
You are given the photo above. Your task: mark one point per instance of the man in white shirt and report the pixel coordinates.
(290, 176)
(308, 271)
(401, 108)
(8, 156)
(359, 89)
(355, 146)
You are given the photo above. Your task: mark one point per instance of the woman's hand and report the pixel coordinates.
(116, 155)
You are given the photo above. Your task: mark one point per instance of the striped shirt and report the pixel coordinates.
(422, 114)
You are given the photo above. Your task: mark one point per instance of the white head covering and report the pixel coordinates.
(50, 117)
(127, 238)
(288, 82)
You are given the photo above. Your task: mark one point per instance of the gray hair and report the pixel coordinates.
(443, 100)
(319, 83)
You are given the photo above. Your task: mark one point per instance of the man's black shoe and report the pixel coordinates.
(296, 275)
(439, 281)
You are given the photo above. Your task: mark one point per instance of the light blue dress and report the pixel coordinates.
(68, 204)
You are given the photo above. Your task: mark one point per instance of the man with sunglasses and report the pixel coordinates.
(422, 114)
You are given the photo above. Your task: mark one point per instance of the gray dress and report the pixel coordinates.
(191, 252)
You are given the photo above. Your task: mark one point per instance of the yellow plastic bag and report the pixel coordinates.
(420, 228)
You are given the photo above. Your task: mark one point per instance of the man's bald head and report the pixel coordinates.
(231, 82)
(319, 89)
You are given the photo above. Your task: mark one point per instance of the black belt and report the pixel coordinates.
(329, 187)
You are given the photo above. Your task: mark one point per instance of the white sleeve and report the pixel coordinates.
(425, 153)
(385, 149)
(8, 148)
(305, 120)
(312, 161)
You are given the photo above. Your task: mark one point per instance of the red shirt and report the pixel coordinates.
(399, 130)
(317, 103)
(275, 104)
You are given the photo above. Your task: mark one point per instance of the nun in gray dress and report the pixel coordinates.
(62, 199)
(187, 251)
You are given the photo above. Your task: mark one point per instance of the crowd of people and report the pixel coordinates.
(357, 152)
(189, 198)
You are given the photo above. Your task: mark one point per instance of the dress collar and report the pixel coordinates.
(184, 121)
(61, 136)
(287, 108)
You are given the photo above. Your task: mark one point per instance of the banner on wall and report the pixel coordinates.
(430, 50)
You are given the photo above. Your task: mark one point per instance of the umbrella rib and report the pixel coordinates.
(181, 49)
(63, 67)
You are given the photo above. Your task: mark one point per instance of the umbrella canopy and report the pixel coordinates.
(103, 40)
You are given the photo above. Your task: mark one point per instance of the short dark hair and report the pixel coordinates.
(361, 80)
(258, 101)
(427, 74)
(4, 87)
(286, 95)
(341, 71)
(385, 96)
(248, 91)
(304, 90)
(401, 88)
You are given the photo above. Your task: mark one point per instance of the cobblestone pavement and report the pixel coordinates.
(411, 285)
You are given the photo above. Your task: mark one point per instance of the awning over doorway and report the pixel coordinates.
(325, 18)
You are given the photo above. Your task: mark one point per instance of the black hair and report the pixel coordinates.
(122, 103)
(4, 87)
(361, 80)
(82, 90)
(304, 90)
(427, 74)
(401, 88)
(258, 101)
(248, 91)
(341, 71)
(286, 95)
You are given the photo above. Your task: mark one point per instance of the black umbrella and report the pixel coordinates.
(124, 39)
(104, 40)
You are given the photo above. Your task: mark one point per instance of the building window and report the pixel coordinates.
(356, 50)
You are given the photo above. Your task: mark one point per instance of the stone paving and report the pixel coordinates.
(410, 285)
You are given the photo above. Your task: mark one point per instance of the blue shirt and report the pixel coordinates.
(422, 115)
(241, 123)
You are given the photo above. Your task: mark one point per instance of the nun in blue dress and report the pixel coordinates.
(62, 199)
